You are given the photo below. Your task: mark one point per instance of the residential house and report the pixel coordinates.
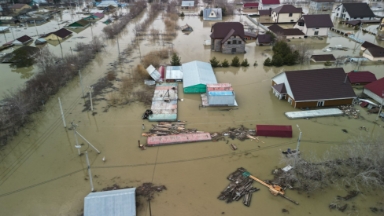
(321, 5)
(286, 14)
(289, 33)
(104, 4)
(375, 90)
(264, 40)
(29, 50)
(372, 51)
(354, 11)
(196, 76)
(22, 40)
(315, 24)
(91, 17)
(187, 4)
(323, 58)
(269, 4)
(228, 37)
(251, 6)
(114, 202)
(58, 35)
(265, 16)
(6, 19)
(250, 35)
(212, 14)
(18, 8)
(99, 15)
(361, 77)
(36, 20)
(313, 88)
(174, 74)
(79, 24)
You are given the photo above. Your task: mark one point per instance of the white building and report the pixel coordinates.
(286, 14)
(354, 11)
(315, 24)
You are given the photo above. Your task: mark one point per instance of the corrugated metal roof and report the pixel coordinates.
(113, 203)
(174, 72)
(197, 72)
(153, 72)
(220, 93)
(187, 3)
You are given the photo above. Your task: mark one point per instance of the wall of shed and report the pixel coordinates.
(216, 45)
(225, 100)
(311, 31)
(326, 103)
(196, 89)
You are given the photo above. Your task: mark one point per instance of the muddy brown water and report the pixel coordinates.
(41, 173)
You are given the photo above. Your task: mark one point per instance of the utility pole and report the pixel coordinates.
(36, 28)
(297, 147)
(88, 143)
(5, 37)
(77, 141)
(62, 113)
(81, 83)
(12, 33)
(89, 171)
(381, 107)
(118, 47)
(62, 55)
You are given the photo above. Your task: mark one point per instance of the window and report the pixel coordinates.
(229, 42)
(320, 103)
(290, 14)
(234, 42)
(316, 32)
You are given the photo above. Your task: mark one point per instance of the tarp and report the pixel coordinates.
(274, 130)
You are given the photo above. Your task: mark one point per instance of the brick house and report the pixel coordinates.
(313, 88)
(228, 37)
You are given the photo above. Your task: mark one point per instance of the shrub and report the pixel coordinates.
(277, 61)
(215, 62)
(225, 63)
(182, 14)
(235, 62)
(268, 62)
(244, 63)
(175, 61)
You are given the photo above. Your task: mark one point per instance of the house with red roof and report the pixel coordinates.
(269, 4)
(251, 5)
(313, 88)
(228, 37)
(361, 77)
(375, 90)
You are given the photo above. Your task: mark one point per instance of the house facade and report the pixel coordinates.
(315, 25)
(286, 14)
(321, 5)
(354, 11)
(372, 51)
(59, 35)
(313, 88)
(212, 14)
(228, 37)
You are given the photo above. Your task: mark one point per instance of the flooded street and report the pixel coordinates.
(42, 174)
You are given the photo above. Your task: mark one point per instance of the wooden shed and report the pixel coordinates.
(274, 130)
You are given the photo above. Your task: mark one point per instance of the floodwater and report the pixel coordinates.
(41, 173)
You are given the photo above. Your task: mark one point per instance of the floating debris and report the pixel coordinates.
(350, 111)
(234, 147)
(169, 128)
(242, 133)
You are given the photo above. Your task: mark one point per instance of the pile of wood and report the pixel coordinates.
(239, 187)
(169, 128)
(241, 133)
(350, 111)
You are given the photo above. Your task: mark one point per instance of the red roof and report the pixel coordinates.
(252, 5)
(361, 77)
(270, 2)
(376, 87)
(274, 130)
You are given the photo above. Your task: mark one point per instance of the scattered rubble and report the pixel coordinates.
(239, 187)
(242, 133)
(350, 195)
(350, 111)
(169, 128)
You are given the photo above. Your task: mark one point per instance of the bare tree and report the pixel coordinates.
(304, 50)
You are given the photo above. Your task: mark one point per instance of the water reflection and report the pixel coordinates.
(25, 73)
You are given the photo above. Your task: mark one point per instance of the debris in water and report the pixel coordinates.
(234, 147)
(344, 130)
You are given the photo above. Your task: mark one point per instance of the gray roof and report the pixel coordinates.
(197, 72)
(187, 4)
(358, 10)
(217, 11)
(174, 72)
(112, 203)
(318, 21)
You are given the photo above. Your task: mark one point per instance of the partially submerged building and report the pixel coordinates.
(264, 40)
(361, 77)
(114, 203)
(250, 5)
(164, 102)
(323, 58)
(22, 40)
(290, 33)
(286, 14)
(313, 88)
(354, 11)
(174, 74)
(212, 14)
(228, 37)
(58, 35)
(375, 90)
(196, 76)
(186, 28)
(269, 4)
(315, 24)
(220, 94)
(155, 74)
(322, 5)
(274, 130)
(187, 4)
(79, 24)
(372, 51)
